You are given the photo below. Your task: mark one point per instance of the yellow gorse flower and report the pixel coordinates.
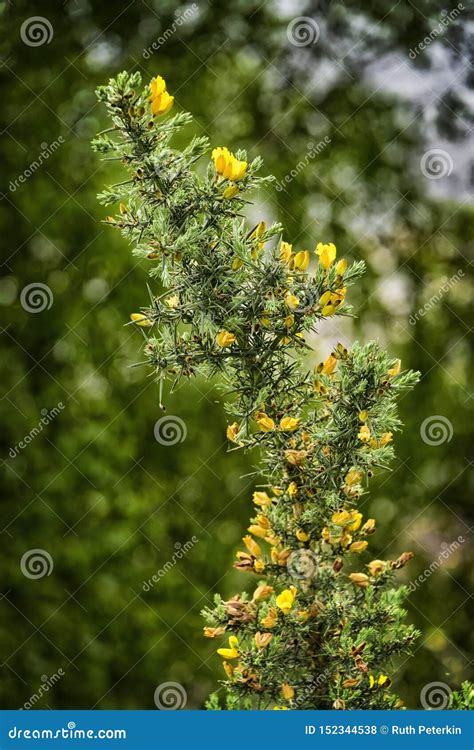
(286, 599)
(265, 422)
(227, 165)
(327, 254)
(232, 431)
(225, 338)
(232, 652)
(161, 102)
(291, 301)
(301, 260)
(289, 424)
(141, 320)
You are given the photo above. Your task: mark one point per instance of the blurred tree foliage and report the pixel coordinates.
(95, 489)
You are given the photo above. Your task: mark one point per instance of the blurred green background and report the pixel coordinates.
(95, 490)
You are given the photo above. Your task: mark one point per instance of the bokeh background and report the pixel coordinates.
(345, 98)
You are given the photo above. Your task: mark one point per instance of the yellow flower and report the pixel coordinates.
(287, 691)
(341, 518)
(230, 191)
(341, 267)
(262, 592)
(225, 338)
(231, 652)
(369, 526)
(292, 489)
(302, 536)
(257, 530)
(301, 260)
(364, 434)
(289, 424)
(253, 547)
(173, 301)
(237, 263)
(286, 252)
(395, 369)
(265, 422)
(270, 620)
(360, 579)
(328, 367)
(157, 86)
(327, 254)
(141, 320)
(285, 600)
(353, 477)
(161, 101)
(262, 639)
(214, 632)
(232, 431)
(356, 520)
(261, 498)
(376, 567)
(291, 301)
(358, 546)
(227, 165)
(280, 708)
(290, 320)
(386, 438)
(228, 669)
(363, 415)
(259, 566)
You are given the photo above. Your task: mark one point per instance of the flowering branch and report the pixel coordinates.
(320, 628)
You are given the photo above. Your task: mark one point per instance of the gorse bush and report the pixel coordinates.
(323, 621)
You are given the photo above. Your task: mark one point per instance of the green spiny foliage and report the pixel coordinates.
(321, 626)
